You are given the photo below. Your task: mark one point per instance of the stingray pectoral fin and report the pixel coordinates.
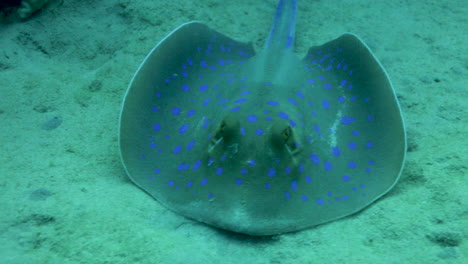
(365, 103)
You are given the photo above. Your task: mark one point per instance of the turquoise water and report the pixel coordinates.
(65, 197)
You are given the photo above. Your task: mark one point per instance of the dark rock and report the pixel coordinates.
(52, 123)
(445, 239)
(40, 194)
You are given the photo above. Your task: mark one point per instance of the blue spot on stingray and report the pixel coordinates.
(259, 131)
(292, 101)
(343, 83)
(183, 128)
(203, 88)
(325, 104)
(204, 181)
(287, 170)
(294, 185)
(292, 123)
(190, 145)
(181, 166)
(355, 133)
(300, 94)
(341, 99)
(221, 62)
(242, 131)
(157, 127)
(352, 165)
(203, 64)
(205, 123)
(320, 201)
(244, 171)
(327, 165)
(157, 171)
(371, 162)
(251, 162)
(283, 115)
(345, 178)
(310, 81)
(370, 118)
(346, 120)
(240, 100)
(189, 184)
(304, 198)
(155, 108)
(314, 158)
(191, 112)
(239, 181)
(196, 165)
(185, 88)
(317, 128)
(267, 186)
(287, 195)
(271, 172)
(223, 101)
(308, 179)
(352, 145)
(272, 103)
(336, 151)
(170, 183)
(327, 86)
(252, 118)
(235, 109)
(219, 171)
(206, 102)
(369, 144)
(177, 149)
(245, 93)
(152, 145)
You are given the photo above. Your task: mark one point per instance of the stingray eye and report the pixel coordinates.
(226, 134)
(286, 133)
(222, 126)
(284, 139)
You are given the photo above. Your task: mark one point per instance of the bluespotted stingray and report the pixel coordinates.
(262, 143)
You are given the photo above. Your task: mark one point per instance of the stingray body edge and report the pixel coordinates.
(262, 143)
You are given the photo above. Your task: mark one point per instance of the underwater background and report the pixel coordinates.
(65, 197)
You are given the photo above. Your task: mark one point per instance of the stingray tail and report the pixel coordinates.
(282, 31)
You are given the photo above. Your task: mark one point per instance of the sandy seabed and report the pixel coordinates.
(65, 197)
